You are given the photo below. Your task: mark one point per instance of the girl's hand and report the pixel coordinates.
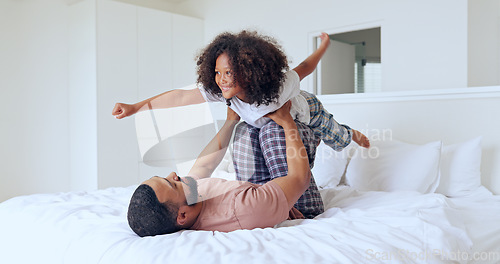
(282, 116)
(123, 110)
(232, 115)
(325, 39)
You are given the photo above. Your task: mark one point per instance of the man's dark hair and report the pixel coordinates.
(148, 217)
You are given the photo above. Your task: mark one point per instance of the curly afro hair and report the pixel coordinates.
(258, 65)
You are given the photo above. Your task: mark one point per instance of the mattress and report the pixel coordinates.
(356, 227)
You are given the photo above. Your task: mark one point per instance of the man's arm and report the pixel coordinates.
(296, 182)
(213, 153)
(168, 99)
(308, 65)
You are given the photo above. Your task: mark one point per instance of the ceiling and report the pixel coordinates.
(174, 1)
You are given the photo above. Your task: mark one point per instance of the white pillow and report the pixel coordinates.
(394, 166)
(329, 165)
(460, 168)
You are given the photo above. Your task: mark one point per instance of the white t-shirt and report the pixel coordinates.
(254, 115)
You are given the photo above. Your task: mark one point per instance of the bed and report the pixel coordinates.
(417, 196)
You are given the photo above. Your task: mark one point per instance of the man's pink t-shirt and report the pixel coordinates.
(233, 205)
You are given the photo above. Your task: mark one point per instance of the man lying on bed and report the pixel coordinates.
(166, 205)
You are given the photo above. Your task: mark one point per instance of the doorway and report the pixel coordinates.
(352, 63)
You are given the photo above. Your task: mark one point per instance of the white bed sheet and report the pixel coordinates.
(357, 227)
(479, 214)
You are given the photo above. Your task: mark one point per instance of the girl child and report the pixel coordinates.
(250, 73)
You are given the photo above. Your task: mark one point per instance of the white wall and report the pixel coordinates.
(424, 43)
(34, 134)
(82, 95)
(484, 42)
(117, 77)
(63, 65)
(141, 52)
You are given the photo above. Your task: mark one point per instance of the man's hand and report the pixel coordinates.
(282, 116)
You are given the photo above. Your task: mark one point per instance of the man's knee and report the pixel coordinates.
(276, 132)
(241, 130)
(270, 129)
(245, 136)
(272, 138)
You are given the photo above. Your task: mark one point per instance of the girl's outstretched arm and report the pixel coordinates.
(168, 99)
(308, 65)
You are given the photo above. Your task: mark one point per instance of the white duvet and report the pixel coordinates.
(357, 227)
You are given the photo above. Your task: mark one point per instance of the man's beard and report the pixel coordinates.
(192, 194)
